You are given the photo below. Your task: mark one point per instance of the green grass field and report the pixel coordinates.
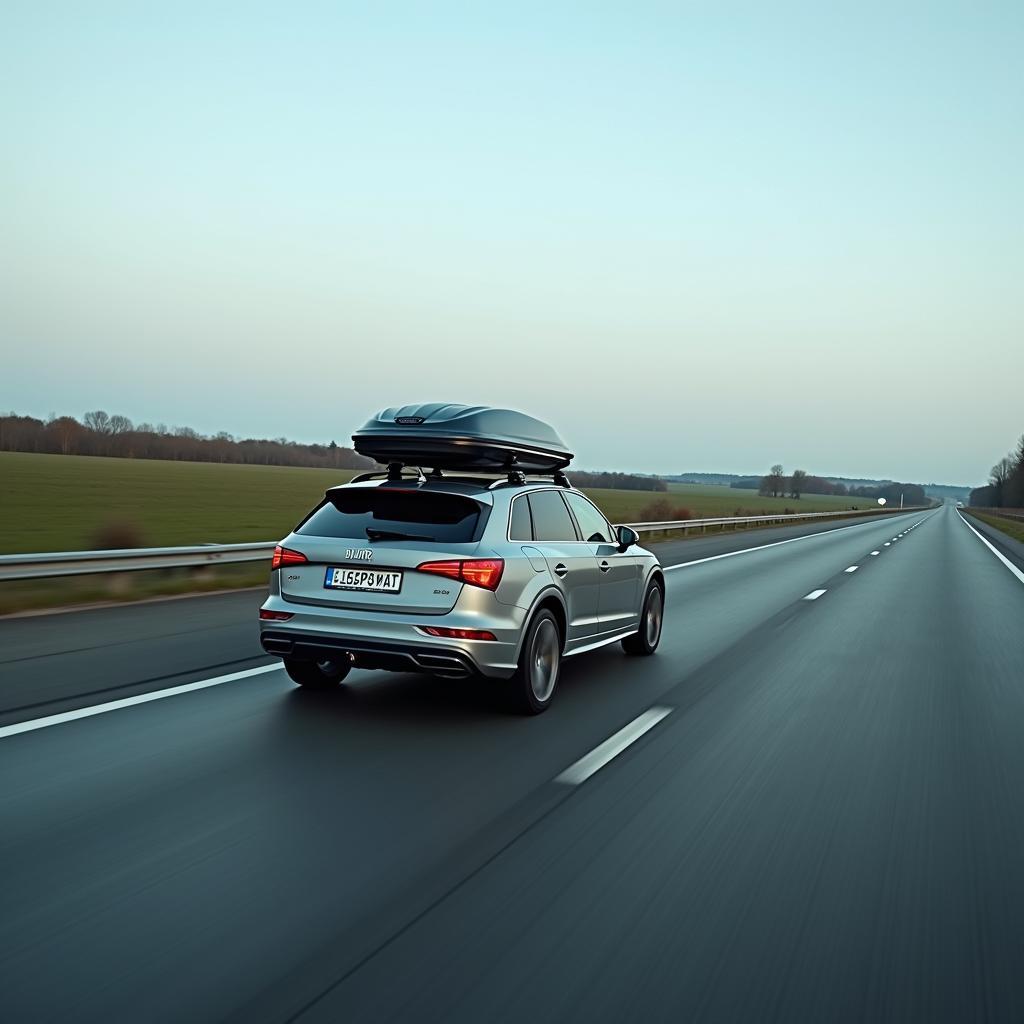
(62, 502)
(65, 502)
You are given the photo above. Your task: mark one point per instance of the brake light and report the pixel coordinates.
(267, 615)
(285, 556)
(483, 572)
(453, 570)
(478, 572)
(459, 634)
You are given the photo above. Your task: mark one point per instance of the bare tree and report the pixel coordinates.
(796, 483)
(1013, 491)
(120, 424)
(98, 420)
(999, 475)
(66, 430)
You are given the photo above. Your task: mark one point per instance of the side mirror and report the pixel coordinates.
(626, 537)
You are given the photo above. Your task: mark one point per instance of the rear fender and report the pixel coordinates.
(548, 594)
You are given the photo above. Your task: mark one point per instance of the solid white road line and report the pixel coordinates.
(127, 702)
(995, 551)
(761, 547)
(814, 595)
(853, 568)
(612, 747)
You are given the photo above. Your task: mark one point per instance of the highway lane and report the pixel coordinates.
(54, 662)
(832, 832)
(401, 849)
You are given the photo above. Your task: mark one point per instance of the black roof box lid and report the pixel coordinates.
(464, 437)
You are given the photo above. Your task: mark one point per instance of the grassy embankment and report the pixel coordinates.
(60, 503)
(1011, 527)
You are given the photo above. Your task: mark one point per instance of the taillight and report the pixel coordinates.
(453, 570)
(479, 572)
(285, 556)
(267, 615)
(459, 634)
(483, 572)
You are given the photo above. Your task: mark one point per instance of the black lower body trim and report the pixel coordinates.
(368, 654)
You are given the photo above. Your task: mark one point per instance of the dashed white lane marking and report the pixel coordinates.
(814, 595)
(875, 552)
(853, 568)
(761, 547)
(127, 702)
(886, 544)
(612, 747)
(995, 551)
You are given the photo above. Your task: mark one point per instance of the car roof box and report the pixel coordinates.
(467, 437)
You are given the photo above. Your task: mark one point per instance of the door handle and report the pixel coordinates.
(561, 570)
(604, 567)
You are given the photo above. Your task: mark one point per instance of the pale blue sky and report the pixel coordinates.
(693, 236)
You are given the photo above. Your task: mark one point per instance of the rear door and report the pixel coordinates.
(620, 570)
(363, 545)
(569, 560)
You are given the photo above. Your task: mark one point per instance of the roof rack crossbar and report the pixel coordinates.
(390, 474)
(517, 478)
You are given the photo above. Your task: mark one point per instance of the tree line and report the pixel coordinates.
(777, 484)
(1005, 487)
(99, 433)
(622, 481)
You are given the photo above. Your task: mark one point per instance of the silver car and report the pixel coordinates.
(458, 576)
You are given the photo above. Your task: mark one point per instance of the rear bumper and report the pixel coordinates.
(393, 657)
(393, 641)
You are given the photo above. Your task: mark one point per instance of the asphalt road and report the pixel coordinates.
(824, 824)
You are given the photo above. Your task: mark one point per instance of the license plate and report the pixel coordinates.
(376, 581)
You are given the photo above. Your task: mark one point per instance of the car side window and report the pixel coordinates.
(551, 519)
(521, 527)
(592, 524)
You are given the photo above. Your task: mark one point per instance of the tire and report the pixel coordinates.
(533, 685)
(316, 675)
(645, 641)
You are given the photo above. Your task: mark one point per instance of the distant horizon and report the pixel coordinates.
(346, 442)
(825, 476)
(678, 233)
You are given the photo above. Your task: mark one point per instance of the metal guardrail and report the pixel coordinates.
(685, 524)
(82, 563)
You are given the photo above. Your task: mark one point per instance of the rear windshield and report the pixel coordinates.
(377, 514)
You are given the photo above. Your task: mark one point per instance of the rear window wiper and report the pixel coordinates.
(394, 535)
